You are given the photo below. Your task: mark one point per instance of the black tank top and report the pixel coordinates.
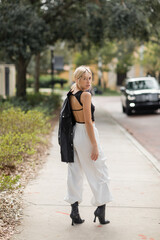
(78, 95)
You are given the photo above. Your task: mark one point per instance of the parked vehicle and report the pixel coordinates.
(140, 94)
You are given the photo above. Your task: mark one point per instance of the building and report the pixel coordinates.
(7, 80)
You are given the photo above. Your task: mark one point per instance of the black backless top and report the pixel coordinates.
(78, 95)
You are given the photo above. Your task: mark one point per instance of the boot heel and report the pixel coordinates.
(100, 213)
(76, 219)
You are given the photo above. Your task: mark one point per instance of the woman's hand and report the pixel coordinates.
(95, 152)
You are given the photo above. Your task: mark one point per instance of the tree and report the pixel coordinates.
(151, 9)
(151, 59)
(128, 19)
(34, 27)
(125, 59)
(22, 35)
(36, 24)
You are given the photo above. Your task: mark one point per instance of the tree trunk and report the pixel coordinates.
(21, 67)
(159, 77)
(37, 73)
(120, 78)
(100, 71)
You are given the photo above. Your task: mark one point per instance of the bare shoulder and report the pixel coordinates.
(85, 97)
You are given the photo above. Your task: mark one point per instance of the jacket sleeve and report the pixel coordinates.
(59, 132)
(62, 112)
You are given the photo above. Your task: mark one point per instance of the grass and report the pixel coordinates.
(106, 92)
(57, 89)
(109, 92)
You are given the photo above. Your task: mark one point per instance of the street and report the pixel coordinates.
(145, 127)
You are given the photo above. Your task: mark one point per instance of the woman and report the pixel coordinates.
(88, 155)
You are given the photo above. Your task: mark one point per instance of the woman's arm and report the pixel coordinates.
(86, 101)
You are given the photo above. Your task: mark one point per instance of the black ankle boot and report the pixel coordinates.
(100, 213)
(75, 214)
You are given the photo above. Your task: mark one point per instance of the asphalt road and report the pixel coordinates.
(145, 127)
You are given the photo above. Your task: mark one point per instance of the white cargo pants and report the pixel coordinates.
(95, 171)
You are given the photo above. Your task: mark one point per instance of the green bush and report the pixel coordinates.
(42, 102)
(17, 121)
(9, 182)
(23, 124)
(19, 134)
(36, 98)
(4, 105)
(14, 146)
(49, 103)
(45, 81)
(18, 102)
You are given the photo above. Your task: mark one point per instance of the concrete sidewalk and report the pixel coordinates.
(135, 186)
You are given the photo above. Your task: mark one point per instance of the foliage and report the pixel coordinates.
(45, 81)
(4, 105)
(9, 182)
(121, 50)
(82, 58)
(152, 10)
(67, 15)
(23, 124)
(42, 102)
(44, 64)
(125, 56)
(51, 102)
(128, 19)
(37, 24)
(27, 34)
(34, 26)
(151, 60)
(107, 53)
(19, 134)
(105, 92)
(17, 121)
(15, 146)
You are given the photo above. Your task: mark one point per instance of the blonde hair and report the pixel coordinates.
(78, 73)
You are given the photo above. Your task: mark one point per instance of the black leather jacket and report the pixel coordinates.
(65, 131)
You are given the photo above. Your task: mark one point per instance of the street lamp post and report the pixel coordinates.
(99, 70)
